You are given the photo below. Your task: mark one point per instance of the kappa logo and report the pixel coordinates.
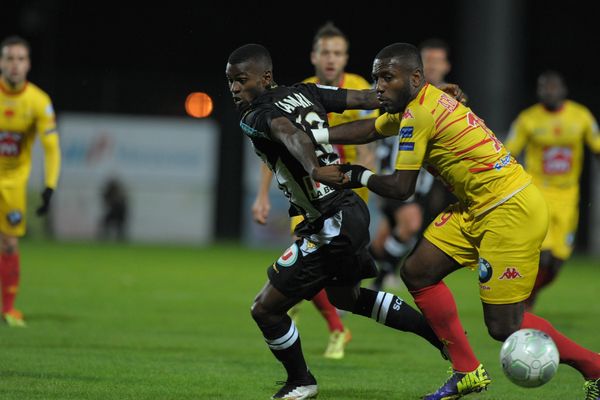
(510, 273)
(408, 114)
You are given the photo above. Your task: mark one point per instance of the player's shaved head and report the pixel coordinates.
(405, 54)
(252, 52)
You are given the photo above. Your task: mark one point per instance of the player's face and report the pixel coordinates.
(14, 63)
(247, 80)
(551, 91)
(393, 85)
(330, 57)
(435, 65)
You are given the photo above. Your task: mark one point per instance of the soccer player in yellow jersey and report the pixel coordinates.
(329, 56)
(25, 112)
(553, 133)
(497, 226)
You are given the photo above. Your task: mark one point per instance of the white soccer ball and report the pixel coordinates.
(529, 358)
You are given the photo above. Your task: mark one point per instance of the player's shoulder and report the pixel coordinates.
(577, 108)
(355, 81)
(311, 79)
(37, 93)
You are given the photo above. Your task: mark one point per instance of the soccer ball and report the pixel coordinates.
(529, 358)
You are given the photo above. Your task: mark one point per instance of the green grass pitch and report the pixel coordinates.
(135, 322)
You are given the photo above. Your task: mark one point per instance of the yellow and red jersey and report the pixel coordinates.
(349, 81)
(447, 138)
(25, 113)
(553, 143)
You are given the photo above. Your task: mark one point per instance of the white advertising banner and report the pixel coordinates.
(165, 169)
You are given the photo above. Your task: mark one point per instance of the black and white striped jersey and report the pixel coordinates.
(306, 106)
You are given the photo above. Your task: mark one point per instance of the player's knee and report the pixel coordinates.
(500, 331)
(9, 245)
(410, 275)
(259, 313)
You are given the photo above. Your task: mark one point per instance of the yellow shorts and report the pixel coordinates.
(564, 215)
(12, 209)
(503, 244)
(362, 192)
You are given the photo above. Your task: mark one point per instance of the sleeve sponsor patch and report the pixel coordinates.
(406, 146)
(406, 132)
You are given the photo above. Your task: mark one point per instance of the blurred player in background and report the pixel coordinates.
(553, 133)
(497, 226)
(329, 56)
(25, 112)
(403, 220)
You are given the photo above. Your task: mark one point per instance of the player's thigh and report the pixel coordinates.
(426, 266)
(509, 251)
(446, 232)
(12, 210)
(300, 272)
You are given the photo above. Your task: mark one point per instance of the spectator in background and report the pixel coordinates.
(553, 132)
(26, 113)
(114, 219)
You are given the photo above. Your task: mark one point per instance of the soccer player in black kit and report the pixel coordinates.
(331, 251)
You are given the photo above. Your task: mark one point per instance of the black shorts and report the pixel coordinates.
(337, 255)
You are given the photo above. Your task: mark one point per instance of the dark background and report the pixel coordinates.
(145, 59)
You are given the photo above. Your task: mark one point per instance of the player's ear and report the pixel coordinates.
(416, 77)
(267, 78)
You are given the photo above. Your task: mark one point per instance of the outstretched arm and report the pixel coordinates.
(362, 99)
(356, 132)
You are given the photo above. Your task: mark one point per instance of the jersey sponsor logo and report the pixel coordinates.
(510, 273)
(408, 114)
(10, 144)
(289, 257)
(485, 270)
(14, 217)
(557, 160)
(406, 132)
(316, 190)
(448, 102)
(406, 146)
(327, 87)
(293, 101)
(251, 132)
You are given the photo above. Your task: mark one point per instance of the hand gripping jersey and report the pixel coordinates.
(446, 137)
(348, 152)
(306, 106)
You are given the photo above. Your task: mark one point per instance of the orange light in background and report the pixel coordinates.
(198, 105)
